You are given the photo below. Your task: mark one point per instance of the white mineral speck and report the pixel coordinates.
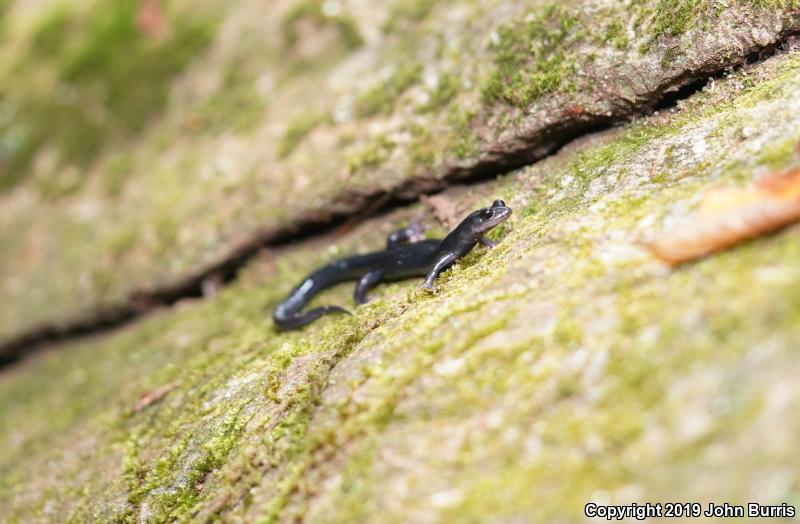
(331, 8)
(449, 368)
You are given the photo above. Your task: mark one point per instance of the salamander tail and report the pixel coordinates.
(299, 320)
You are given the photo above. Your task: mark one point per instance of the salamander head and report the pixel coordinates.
(479, 222)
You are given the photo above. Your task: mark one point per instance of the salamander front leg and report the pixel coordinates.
(366, 283)
(485, 242)
(441, 264)
(411, 234)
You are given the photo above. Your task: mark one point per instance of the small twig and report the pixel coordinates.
(657, 162)
(154, 396)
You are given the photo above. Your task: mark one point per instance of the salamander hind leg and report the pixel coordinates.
(366, 283)
(415, 232)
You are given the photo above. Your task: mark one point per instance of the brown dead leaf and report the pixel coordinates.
(443, 208)
(729, 216)
(725, 199)
(782, 185)
(154, 396)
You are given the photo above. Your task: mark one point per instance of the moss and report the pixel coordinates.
(674, 18)
(466, 144)
(50, 35)
(407, 12)
(237, 106)
(381, 98)
(371, 155)
(134, 71)
(104, 66)
(179, 503)
(423, 151)
(541, 375)
(357, 495)
(49, 188)
(446, 88)
(200, 236)
(616, 35)
(531, 57)
(4, 6)
(314, 11)
(297, 129)
(780, 154)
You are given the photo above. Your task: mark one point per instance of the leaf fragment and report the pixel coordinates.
(154, 396)
(729, 216)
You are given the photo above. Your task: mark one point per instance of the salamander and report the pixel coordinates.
(407, 254)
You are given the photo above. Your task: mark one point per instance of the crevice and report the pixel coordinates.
(670, 99)
(359, 206)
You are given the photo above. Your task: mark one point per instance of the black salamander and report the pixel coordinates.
(407, 255)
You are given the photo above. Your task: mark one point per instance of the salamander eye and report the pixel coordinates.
(498, 203)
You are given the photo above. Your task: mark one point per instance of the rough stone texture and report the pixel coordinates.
(294, 112)
(561, 367)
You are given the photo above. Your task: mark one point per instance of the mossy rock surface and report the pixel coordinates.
(564, 366)
(133, 158)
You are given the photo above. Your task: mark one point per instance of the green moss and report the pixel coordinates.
(538, 376)
(236, 107)
(407, 12)
(616, 35)
(313, 11)
(381, 98)
(371, 155)
(116, 172)
(297, 129)
(180, 502)
(447, 87)
(466, 144)
(780, 154)
(52, 31)
(423, 151)
(4, 5)
(134, 70)
(673, 18)
(357, 493)
(531, 57)
(111, 79)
